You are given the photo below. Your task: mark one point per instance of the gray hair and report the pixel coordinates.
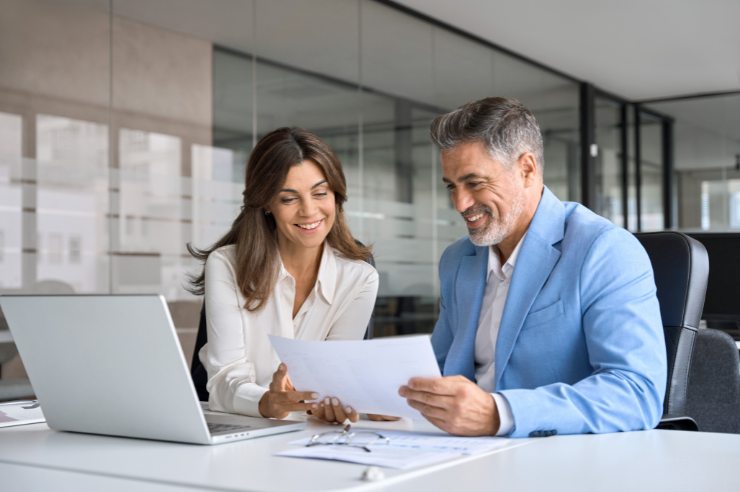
(505, 126)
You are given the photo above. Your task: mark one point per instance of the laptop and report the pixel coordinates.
(112, 365)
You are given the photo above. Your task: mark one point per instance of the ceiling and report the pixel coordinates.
(639, 50)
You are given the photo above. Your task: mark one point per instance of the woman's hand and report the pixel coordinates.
(282, 398)
(331, 410)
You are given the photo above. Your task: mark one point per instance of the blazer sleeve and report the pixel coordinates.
(625, 344)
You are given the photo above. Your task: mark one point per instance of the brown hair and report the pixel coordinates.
(254, 233)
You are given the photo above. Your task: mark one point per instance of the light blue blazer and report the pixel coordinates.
(580, 346)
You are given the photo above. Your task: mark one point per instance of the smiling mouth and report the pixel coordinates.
(311, 226)
(474, 218)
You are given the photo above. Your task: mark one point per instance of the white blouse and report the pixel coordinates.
(239, 358)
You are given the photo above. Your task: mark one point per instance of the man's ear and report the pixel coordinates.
(528, 167)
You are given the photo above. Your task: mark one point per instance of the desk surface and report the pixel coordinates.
(35, 458)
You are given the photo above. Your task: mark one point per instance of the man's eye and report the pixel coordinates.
(320, 194)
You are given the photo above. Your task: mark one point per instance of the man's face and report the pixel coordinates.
(489, 195)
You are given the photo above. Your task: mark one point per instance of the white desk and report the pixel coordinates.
(27, 478)
(35, 458)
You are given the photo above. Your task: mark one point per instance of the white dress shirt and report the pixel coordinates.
(494, 300)
(239, 358)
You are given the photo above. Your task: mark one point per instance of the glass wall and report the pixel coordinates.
(125, 127)
(651, 169)
(608, 172)
(707, 160)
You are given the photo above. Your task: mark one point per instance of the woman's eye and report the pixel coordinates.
(320, 194)
(287, 200)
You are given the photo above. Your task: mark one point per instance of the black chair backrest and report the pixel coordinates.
(197, 370)
(681, 269)
(199, 374)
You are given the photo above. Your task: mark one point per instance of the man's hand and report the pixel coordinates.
(454, 404)
(282, 398)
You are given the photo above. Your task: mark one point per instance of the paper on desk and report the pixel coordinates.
(399, 458)
(405, 449)
(363, 374)
(20, 413)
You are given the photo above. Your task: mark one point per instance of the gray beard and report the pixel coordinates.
(495, 232)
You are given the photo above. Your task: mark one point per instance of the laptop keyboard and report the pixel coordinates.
(226, 428)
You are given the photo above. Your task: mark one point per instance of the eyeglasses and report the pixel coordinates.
(348, 437)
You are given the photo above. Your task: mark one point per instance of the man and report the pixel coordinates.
(548, 307)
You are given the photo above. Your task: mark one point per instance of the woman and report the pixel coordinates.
(290, 267)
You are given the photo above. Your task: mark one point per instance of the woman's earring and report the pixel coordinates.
(267, 212)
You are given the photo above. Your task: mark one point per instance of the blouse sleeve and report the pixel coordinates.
(352, 323)
(231, 375)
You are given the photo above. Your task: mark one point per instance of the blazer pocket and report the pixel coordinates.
(545, 314)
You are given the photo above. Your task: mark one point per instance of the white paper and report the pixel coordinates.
(20, 413)
(445, 442)
(399, 458)
(405, 449)
(363, 374)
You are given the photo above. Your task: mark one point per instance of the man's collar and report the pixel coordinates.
(494, 260)
(548, 223)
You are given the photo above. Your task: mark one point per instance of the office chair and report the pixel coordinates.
(199, 374)
(703, 387)
(197, 370)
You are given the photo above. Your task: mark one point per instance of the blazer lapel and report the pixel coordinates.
(534, 264)
(469, 290)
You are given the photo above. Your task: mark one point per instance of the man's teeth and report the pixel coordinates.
(313, 225)
(473, 218)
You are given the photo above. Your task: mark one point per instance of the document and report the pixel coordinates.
(388, 457)
(404, 450)
(20, 413)
(364, 374)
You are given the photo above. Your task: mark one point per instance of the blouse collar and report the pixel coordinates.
(326, 279)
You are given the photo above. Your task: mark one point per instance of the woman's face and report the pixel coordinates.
(304, 208)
